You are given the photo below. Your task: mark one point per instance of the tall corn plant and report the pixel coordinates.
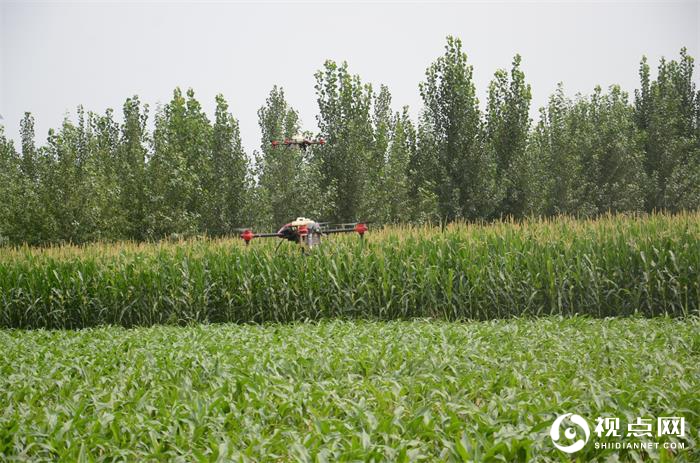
(612, 266)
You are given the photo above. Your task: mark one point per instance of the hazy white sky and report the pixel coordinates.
(56, 55)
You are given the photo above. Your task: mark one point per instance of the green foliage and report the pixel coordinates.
(131, 171)
(288, 177)
(394, 184)
(30, 216)
(9, 175)
(507, 129)
(178, 166)
(72, 190)
(561, 170)
(343, 391)
(105, 182)
(613, 266)
(98, 179)
(667, 113)
(374, 192)
(591, 154)
(464, 174)
(226, 183)
(422, 176)
(345, 121)
(611, 152)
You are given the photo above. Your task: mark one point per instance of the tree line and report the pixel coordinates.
(98, 179)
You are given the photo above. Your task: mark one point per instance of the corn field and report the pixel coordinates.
(418, 391)
(615, 265)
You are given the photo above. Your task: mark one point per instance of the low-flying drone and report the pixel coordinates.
(298, 140)
(307, 233)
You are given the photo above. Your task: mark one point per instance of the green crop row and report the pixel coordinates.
(612, 266)
(347, 391)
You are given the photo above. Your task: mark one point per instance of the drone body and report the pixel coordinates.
(299, 141)
(306, 232)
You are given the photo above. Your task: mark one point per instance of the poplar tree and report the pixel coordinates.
(666, 111)
(180, 163)
(424, 175)
(103, 178)
(465, 180)
(9, 189)
(507, 128)
(279, 168)
(395, 186)
(226, 185)
(29, 215)
(71, 205)
(131, 169)
(613, 155)
(345, 121)
(561, 169)
(375, 194)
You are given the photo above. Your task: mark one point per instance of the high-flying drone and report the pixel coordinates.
(306, 232)
(298, 140)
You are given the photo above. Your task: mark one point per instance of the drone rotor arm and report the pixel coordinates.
(337, 230)
(267, 235)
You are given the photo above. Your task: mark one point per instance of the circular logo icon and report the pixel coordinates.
(570, 433)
